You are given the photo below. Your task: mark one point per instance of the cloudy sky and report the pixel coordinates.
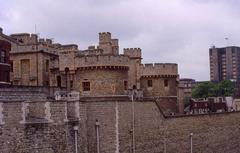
(171, 31)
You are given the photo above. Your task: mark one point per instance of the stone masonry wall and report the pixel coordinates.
(153, 132)
(48, 130)
(159, 69)
(102, 82)
(158, 87)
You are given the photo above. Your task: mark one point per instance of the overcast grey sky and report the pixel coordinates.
(171, 31)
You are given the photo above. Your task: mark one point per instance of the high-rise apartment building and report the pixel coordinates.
(224, 63)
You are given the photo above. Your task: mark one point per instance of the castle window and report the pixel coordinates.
(2, 56)
(86, 86)
(165, 83)
(125, 85)
(149, 83)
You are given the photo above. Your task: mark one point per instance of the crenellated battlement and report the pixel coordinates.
(104, 37)
(90, 51)
(103, 60)
(25, 38)
(133, 52)
(155, 69)
(69, 47)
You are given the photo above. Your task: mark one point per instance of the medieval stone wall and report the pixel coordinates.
(34, 124)
(38, 125)
(161, 86)
(154, 133)
(102, 81)
(159, 69)
(104, 60)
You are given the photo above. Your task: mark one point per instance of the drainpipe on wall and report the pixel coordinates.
(75, 128)
(97, 124)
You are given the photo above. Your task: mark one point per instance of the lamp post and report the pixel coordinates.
(191, 143)
(133, 120)
(97, 124)
(76, 128)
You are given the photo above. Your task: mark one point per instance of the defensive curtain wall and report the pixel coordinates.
(35, 122)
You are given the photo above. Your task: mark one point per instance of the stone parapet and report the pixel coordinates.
(159, 69)
(102, 61)
(133, 52)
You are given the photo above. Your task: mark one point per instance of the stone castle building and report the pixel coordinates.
(98, 70)
(104, 119)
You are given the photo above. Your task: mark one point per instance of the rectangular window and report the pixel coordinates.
(86, 86)
(165, 83)
(149, 83)
(2, 56)
(125, 85)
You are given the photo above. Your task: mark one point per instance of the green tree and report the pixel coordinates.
(202, 90)
(209, 89)
(226, 87)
